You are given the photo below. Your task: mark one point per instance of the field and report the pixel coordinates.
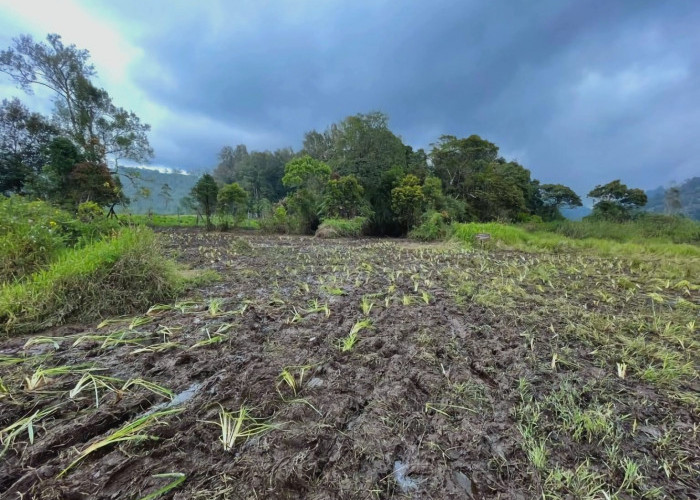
(369, 369)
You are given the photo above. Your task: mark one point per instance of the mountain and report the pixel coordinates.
(690, 198)
(152, 181)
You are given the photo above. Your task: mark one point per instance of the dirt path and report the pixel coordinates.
(427, 403)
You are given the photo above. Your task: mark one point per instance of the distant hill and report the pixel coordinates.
(690, 198)
(577, 213)
(180, 185)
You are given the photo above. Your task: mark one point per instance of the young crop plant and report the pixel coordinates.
(293, 377)
(132, 432)
(240, 425)
(9, 434)
(97, 383)
(366, 305)
(41, 376)
(347, 343)
(151, 386)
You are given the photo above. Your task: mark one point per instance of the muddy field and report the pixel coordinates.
(368, 369)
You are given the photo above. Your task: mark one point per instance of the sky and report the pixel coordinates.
(580, 92)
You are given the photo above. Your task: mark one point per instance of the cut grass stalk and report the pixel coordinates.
(240, 425)
(179, 479)
(133, 432)
(151, 386)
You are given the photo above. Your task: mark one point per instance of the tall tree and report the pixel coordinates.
(555, 197)
(24, 137)
(166, 194)
(205, 194)
(615, 200)
(103, 130)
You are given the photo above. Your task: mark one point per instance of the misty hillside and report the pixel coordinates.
(690, 198)
(147, 192)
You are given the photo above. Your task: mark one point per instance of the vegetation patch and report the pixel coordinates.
(113, 276)
(342, 228)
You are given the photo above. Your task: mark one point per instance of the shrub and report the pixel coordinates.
(117, 275)
(342, 228)
(433, 227)
(278, 223)
(34, 234)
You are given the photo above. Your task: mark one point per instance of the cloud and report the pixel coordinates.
(579, 92)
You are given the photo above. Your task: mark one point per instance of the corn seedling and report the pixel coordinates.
(10, 433)
(179, 478)
(289, 376)
(215, 307)
(97, 382)
(151, 386)
(621, 370)
(366, 305)
(132, 432)
(407, 300)
(4, 391)
(111, 321)
(425, 297)
(240, 425)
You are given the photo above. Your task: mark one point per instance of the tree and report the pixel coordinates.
(93, 182)
(86, 112)
(554, 197)
(407, 201)
(308, 178)
(230, 162)
(166, 193)
(616, 201)
(455, 161)
(232, 200)
(24, 137)
(205, 193)
(344, 198)
(672, 201)
(54, 183)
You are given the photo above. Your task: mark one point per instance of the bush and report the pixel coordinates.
(432, 228)
(117, 275)
(34, 234)
(278, 223)
(342, 228)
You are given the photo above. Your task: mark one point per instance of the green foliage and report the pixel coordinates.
(616, 201)
(520, 238)
(432, 228)
(113, 276)
(33, 234)
(231, 201)
(205, 194)
(344, 198)
(407, 201)
(305, 172)
(278, 222)
(342, 228)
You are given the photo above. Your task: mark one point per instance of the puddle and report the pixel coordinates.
(179, 398)
(405, 483)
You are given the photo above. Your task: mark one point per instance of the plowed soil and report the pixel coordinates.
(426, 404)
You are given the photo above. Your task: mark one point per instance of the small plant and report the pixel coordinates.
(132, 432)
(240, 425)
(179, 478)
(366, 305)
(293, 377)
(10, 433)
(97, 382)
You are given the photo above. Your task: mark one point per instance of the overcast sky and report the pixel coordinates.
(580, 92)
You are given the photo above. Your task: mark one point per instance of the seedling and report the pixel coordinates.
(10, 433)
(240, 425)
(151, 386)
(97, 382)
(41, 375)
(366, 305)
(289, 376)
(132, 432)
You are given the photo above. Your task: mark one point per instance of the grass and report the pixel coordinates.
(185, 220)
(9, 434)
(342, 228)
(538, 241)
(110, 277)
(178, 479)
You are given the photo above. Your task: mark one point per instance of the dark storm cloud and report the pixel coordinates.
(579, 92)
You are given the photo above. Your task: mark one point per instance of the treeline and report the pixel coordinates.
(359, 167)
(74, 155)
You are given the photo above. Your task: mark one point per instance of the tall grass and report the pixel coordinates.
(534, 240)
(118, 275)
(342, 228)
(663, 228)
